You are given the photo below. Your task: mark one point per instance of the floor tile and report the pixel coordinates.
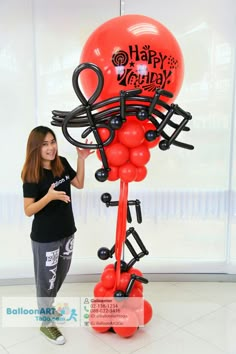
(79, 289)
(179, 342)
(218, 328)
(17, 290)
(78, 340)
(3, 350)
(218, 292)
(12, 336)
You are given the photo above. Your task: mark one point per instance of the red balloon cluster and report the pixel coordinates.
(128, 153)
(124, 315)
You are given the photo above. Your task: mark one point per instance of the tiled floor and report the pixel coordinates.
(188, 318)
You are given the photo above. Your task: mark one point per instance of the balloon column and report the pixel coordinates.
(131, 68)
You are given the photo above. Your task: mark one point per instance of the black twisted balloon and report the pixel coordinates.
(112, 113)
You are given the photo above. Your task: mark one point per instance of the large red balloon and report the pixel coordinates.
(133, 51)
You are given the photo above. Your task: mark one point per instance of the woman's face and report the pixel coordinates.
(48, 150)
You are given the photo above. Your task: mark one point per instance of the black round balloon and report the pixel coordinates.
(164, 145)
(115, 123)
(101, 175)
(151, 135)
(103, 253)
(119, 295)
(106, 197)
(123, 266)
(142, 114)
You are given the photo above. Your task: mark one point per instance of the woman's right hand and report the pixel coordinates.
(57, 195)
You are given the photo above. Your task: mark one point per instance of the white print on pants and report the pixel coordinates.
(69, 247)
(51, 260)
(52, 280)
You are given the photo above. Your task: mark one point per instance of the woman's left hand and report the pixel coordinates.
(84, 153)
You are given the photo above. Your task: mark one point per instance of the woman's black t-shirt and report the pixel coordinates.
(55, 221)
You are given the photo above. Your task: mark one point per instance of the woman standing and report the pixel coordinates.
(47, 180)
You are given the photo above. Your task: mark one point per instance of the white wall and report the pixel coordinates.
(188, 199)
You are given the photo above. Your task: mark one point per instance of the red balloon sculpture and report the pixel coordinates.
(123, 58)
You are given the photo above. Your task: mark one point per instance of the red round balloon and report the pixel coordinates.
(140, 155)
(135, 271)
(104, 133)
(109, 293)
(113, 174)
(128, 323)
(99, 290)
(108, 278)
(135, 298)
(141, 173)
(109, 266)
(139, 285)
(144, 313)
(133, 52)
(131, 134)
(97, 323)
(127, 172)
(124, 280)
(117, 154)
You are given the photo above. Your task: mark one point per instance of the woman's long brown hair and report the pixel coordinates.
(32, 171)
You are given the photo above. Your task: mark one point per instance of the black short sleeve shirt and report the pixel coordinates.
(55, 221)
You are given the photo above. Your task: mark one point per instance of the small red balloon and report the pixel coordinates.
(99, 325)
(124, 280)
(131, 134)
(141, 173)
(108, 278)
(140, 155)
(117, 154)
(136, 271)
(109, 293)
(99, 290)
(127, 172)
(135, 298)
(109, 266)
(129, 323)
(139, 285)
(103, 133)
(113, 174)
(144, 313)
